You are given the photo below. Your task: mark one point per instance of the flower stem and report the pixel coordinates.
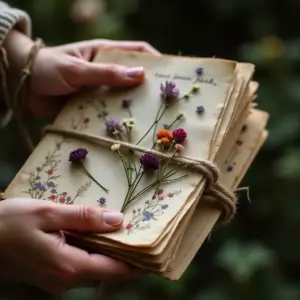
(91, 177)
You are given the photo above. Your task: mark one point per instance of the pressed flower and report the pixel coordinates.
(78, 155)
(102, 200)
(179, 147)
(126, 103)
(199, 71)
(179, 135)
(115, 147)
(113, 126)
(169, 91)
(149, 162)
(200, 109)
(195, 88)
(164, 133)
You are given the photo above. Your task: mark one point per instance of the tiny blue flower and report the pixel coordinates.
(200, 109)
(147, 216)
(53, 191)
(102, 200)
(39, 186)
(50, 183)
(199, 71)
(69, 198)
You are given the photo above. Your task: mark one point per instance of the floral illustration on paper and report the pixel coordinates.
(43, 181)
(152, 210)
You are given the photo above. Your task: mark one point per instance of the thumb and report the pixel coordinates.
(112, 75)
(80, 218)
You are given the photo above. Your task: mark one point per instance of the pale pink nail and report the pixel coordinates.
(135, 72)
(112, 218)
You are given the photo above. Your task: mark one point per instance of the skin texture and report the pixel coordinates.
(32, 246)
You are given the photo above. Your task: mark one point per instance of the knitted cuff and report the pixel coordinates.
(11, 18)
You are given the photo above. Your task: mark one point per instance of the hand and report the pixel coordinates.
(65, 69)
(31, 251)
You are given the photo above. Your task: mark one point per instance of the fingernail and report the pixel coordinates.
(135, 72)
(112, 218)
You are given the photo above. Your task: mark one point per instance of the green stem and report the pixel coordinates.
(91, 177)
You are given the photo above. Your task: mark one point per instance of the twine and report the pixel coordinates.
(214, 190)
(16, 103)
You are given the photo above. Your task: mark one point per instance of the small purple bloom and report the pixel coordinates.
(147, 202)
(39, 186)
(126, 103)
(149, 162)
(78, 155)
(53, 191)
(169, 91)
(113, 125)
(147, 215)
(101, 200)
(165, 206)
(200, 109)
(50, 184)
(199, 71)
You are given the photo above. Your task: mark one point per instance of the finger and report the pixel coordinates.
(78, 217)
(113, 75)
(98, 267)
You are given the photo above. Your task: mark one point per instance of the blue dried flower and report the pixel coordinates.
(126, 103)
(78, 155)
(149, 162)
(199, 71)
(101, 200)
(169, 91)
(113, 125)
(200, 109)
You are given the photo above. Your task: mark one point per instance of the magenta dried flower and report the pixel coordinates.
(149, 162)
(126, 103)
(179, 135)
(113, 125)
(78, 155)
(199, 71)
(169, 91)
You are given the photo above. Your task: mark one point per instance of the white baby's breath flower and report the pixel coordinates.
(115, 147)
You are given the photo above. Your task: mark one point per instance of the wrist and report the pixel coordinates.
(17, 46)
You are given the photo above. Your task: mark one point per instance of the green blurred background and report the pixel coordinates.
(257, 256)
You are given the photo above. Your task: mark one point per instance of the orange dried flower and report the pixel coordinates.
(164, 133)
(165, 141)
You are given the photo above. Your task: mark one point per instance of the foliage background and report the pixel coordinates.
(257, 256)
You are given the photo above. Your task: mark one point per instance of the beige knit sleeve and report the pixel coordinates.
(11, 17)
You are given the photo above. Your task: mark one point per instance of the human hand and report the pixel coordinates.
(32, 251)
(65, 69)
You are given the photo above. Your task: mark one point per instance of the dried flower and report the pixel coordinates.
(102, 200)
(126, 103)
(115, 147)
(113, 126)
(200, 109)
(169, 91)
(129, 122)
(179, 147)
(195, 88)
(149, 162)
(78, 155)
(199, 71)
(165, 141)
(179, 135)
(164, 133)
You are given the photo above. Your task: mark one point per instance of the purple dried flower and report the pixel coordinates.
(169, 91)
(199, 71)
(78, 155)
(113, 125)
(149, 162)
(147, 216)
(200, 109)
(126, 103)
